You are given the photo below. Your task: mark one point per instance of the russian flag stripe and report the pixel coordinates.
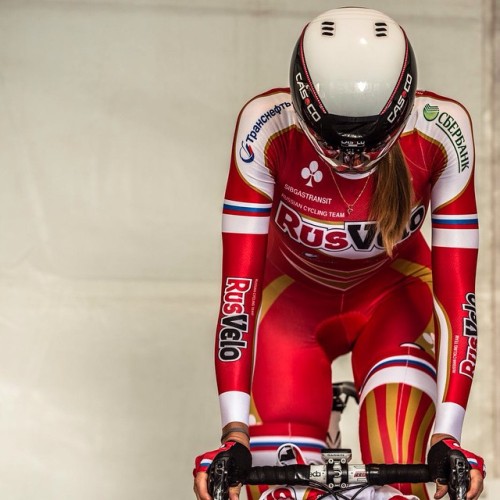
(256, 210)
(273, 442)
(242, 206)
(406, 362)
(455, 219)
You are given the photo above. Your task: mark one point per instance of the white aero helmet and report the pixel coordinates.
(353, 78)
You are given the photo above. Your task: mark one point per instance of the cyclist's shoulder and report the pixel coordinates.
(269, 106)
(431, 108)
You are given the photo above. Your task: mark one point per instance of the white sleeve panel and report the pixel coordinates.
(447, 124)
(455, 238)
(245, 224)
(449, 420)
(234, 407)
(261, 119)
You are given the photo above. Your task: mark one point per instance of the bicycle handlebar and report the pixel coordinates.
(336, 475)
(373, 474)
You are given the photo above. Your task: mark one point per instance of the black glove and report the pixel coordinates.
(230, 466)
(444, 468)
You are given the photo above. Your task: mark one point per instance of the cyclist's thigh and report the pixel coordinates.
(394, 366)
(398, 335)
(292, 373)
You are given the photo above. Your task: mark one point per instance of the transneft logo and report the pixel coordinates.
(362, 236)
(234, 321)
(468, 365)
(304, 95)
(246, 151)
(402, 99)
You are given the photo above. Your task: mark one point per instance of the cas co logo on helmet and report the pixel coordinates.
(304, 95)
(402, 99)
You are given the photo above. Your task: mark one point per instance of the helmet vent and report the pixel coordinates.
(328, 28)
(381, 29)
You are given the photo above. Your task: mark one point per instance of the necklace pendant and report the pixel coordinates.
(350, 209)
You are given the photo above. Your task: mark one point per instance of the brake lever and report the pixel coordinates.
(459, 476)
(218, 479)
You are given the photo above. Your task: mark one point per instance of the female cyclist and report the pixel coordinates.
(329, 184)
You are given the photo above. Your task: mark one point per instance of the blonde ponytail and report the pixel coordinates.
(393, 197)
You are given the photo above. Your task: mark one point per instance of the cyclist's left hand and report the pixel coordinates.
(438, 463)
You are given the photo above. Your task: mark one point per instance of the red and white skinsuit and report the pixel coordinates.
(304, 282)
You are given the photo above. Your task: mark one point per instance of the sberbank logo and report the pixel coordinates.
(431, 112)
(451, 128)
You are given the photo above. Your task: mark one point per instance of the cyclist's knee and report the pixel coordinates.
(267, 437)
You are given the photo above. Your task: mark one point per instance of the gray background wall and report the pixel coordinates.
(116, 120)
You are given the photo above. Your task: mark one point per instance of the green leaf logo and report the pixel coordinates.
(431, 112)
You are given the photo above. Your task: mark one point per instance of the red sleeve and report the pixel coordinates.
(454, 257)
(246, 214)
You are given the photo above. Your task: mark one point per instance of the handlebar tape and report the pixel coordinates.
(287, 474)
(380, 474)
(376, 474)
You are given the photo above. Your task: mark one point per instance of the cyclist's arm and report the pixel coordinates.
(247, 207)
(454, 256)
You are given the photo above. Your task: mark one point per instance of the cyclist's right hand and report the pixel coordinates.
(241, 461)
